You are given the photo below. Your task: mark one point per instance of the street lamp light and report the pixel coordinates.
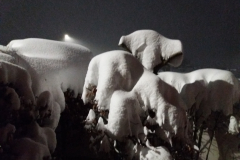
(67, 38)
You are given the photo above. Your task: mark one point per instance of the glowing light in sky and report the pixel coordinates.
(67, 38)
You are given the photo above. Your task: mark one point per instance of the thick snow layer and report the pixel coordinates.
(27, 149)
(123, 85)
(47, 106)
(209, 89)
(109, 72)
(153, 49)
(54, 66)
(20, 79)
(124, 116)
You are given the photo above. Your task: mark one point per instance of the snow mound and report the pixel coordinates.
(152, 49)
(54, 66)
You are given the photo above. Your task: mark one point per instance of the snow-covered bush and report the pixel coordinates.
(54, 66)
(18, 115)
(210, 96)
(152, 49)
(116, 81)
(205, 90)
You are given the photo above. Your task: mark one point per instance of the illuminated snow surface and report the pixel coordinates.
(128, 90)
(42, 68)
(152, 49)
(53, 66)
(207, 89)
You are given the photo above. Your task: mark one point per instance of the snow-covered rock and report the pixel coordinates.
(124, 86)
(152, 49)
(207, 89)
(54, 66)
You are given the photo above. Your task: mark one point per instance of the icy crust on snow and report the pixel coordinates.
(209, 89)
(152, 49)
(126, 88)
(20, 79)
(54, 66)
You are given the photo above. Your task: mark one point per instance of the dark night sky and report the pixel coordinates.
(208, 29)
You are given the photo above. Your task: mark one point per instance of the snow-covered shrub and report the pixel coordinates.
(18, 115)
(54, 66)
(205, 90)
(152, 49)
(130, 93)
(210, 96)
(19, 78)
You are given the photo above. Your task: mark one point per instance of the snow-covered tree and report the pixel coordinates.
(116, 81)
(152, 49)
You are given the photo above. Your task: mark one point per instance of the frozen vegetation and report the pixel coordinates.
(34, 75)
(135, 114)
(152, 49)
